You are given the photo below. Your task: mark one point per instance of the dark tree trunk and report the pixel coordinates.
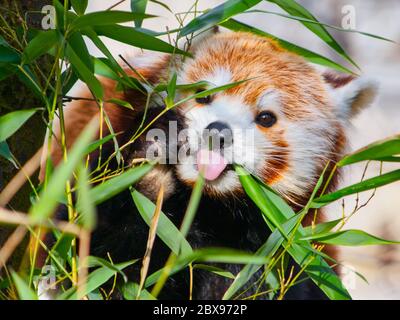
(14, 95)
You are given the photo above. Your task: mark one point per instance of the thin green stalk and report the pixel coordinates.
(184, 229)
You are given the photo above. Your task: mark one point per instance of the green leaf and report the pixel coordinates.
(78, 45)
(183, 87)
(268, 249)
(130, 291)
(217, 255)
(255, 192)
(103, 18)
(12, 121)
(102, 67)
(171, 90)
(365, 185)
(113, 186)
(68, 78)
(321, 227)
(29, 79)
(302, 252)
(322, 24)
(95, 280)
(138, 6)
(349, 238)
(99, 262)
(5, 152)
(388, 159)
(296, 10)
(375, 151)
(121, 103)
(213, 269)
(48, 199)
(85, 203)
(85, 74)
(23, 289)
(79, 6)
(7, 53)
(96, 144)
(162, 5)
(193, 205)
(210, 91)
(110, 66)
(6, 69)
(40, 45)
(313, 57)
(217, 15)
(136, 38)
(166, 230)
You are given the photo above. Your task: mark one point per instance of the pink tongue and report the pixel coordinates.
(210, 163)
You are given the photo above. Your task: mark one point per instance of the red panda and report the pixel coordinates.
(296, 117)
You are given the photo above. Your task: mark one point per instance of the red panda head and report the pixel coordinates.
(284, 123)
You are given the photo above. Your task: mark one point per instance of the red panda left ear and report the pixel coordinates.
(351, 94)
(203, 36)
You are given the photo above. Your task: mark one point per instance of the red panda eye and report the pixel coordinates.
(203, 100)
(266, 119)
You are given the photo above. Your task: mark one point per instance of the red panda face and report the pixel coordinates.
(282, 123)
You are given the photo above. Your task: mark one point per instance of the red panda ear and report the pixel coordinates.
(199, 38)
(351, 94)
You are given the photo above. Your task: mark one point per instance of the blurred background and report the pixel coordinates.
(379, 60)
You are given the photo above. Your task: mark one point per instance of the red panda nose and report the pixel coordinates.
(218, 134)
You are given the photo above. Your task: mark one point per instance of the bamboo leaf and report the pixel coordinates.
(99, 262)
(166, 230)
(302, 252)
(376, 151)
(171, 90)
(84, 73)
(7, 53)
(85, 203)
(296, 10)
(12, 121)
(138, 6)
(48, 199)
(349, 238)
(40, 45)
(120, 102)
(213, 269)
(365, 185)
(78, 45)
(210, 91)
(321, 228)
(323, 24)
(79, 6)
(217, 255)
(136, 38)
(130, 292)
(268, 249)
(103, 18)
(102, 67)
(23, 289)
(96, 144)
(113, 186)
(217, 15)
(5, 152)
(313, 57)
(95, 279)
